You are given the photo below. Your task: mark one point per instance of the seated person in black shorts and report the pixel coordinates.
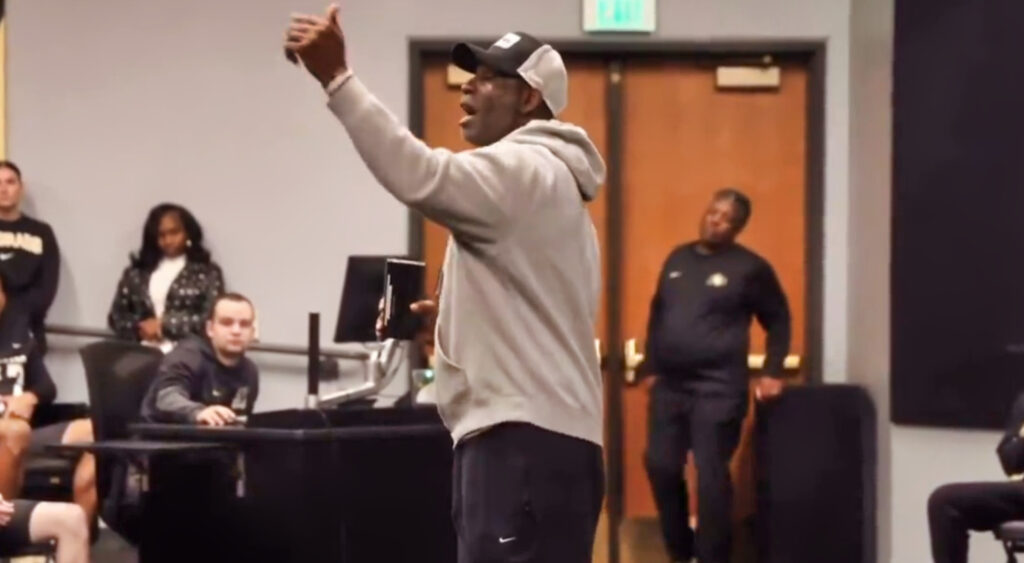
(209, 380)
(26, 522)
(956, 508)
(25, 383)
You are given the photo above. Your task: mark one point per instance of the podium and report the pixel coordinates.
(355, 485)
(816, 466)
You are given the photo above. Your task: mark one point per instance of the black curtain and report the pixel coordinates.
(958, 212)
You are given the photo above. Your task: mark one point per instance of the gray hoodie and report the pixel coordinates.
(522, 271)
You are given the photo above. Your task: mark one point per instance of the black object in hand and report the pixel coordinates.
(403, 286)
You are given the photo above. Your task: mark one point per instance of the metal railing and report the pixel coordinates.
(377, 362)
(284, 349)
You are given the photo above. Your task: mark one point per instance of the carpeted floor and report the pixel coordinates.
(640, 542)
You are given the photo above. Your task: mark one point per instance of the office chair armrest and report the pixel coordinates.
(42, 549)
(53, 413)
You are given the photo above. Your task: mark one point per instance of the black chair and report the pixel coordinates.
(50, 476)
(118, 375)
(47, 550)
(1011, 535)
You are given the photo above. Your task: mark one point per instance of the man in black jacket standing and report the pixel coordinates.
(698, 339)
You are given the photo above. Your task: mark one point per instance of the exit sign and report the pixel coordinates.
(619, 15)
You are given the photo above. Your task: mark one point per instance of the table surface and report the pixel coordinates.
(294, 426)
(137, 447)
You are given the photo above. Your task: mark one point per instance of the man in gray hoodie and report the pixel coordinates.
(518, 380)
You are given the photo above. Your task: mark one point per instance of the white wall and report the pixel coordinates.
(912, 461)
(115, 105)
(871, 38)
(131, 103)
(923, 459)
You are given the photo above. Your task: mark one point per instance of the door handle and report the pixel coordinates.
(632, 360)
(600, 352)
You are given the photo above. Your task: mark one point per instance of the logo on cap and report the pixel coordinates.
(508, 40)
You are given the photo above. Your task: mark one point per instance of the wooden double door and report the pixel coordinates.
(671, 137)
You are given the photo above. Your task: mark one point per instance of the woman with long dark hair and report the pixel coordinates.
(167, 291)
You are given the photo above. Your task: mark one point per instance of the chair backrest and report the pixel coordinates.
(118, 375)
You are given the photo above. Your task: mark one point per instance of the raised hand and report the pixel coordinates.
(318, 42)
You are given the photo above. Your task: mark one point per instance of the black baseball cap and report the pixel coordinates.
(521, 55)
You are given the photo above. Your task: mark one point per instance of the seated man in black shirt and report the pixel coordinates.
(956, 508)
(25, 383)
(209, 380)
(698, 338)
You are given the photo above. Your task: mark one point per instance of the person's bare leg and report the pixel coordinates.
(15, 436)
(85, 472)
(64, 522)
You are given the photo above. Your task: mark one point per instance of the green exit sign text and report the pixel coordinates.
(619, 15)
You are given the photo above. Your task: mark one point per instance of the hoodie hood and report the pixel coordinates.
(571, 145)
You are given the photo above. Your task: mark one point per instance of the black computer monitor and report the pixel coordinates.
(364, 286)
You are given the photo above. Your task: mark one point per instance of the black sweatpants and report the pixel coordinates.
(956, 508)
(524, 494)
(709, 424)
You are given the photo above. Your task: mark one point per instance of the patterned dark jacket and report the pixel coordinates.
(188, 301)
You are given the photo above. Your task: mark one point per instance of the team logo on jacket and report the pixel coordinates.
(24, 241)
(718, 279)
(12, 374)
